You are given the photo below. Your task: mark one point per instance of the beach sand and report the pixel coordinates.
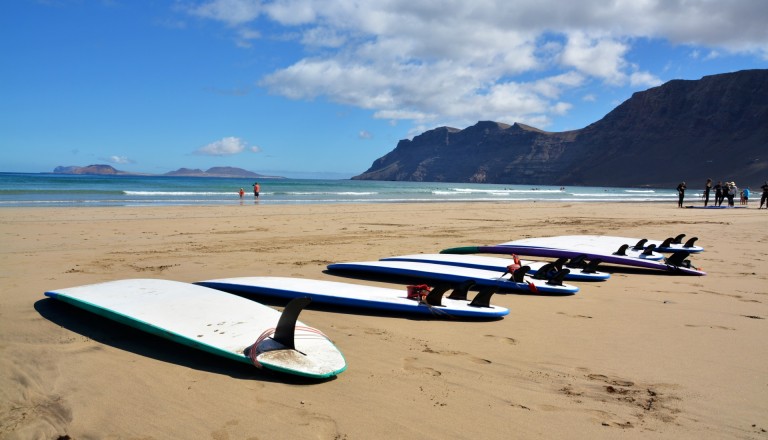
(643, 355)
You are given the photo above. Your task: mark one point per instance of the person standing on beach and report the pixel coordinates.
(764, 198)
(680, 194)
(707, 188)
(745, 196)
(718, 193)
(256, 190)
(731, 192)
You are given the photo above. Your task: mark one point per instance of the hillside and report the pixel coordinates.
(714, 127)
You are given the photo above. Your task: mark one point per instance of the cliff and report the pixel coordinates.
(683, 130)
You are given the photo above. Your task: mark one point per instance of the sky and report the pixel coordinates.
(321, 89)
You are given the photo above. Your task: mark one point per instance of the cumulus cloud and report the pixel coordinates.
(224, 147)
(459, 61)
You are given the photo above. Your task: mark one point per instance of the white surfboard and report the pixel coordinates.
(611, 242)
(499, 264)
(213, 321)
(457, 275)
(588, 244)
(370, 297)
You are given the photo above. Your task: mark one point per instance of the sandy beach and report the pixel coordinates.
(642, 355)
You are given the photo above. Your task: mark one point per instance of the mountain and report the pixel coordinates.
(218, 172)
(186, 172)
(683, 130)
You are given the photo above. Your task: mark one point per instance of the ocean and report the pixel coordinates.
(28, 190)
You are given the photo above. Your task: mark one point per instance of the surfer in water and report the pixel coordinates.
(680, 194)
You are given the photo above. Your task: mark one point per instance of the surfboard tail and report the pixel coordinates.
(276, 347)
(462, 250)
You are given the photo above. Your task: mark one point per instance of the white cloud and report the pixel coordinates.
(599, 57)
(120, 160)
(644, 79)
(231, 12)
(255, 149)
(456, 62)
(365, 134)
(224, 147)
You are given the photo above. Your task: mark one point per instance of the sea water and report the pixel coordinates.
(26, 189)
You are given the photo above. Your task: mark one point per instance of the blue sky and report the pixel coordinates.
(302, 88)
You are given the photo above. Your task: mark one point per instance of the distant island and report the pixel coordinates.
(108, 170)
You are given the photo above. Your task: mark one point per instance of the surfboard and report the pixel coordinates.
(613, 243)
(577, 273)
(597, 244)
(676, 263)
(715, 207)
(431, 302)
(517, 282)
(213, 321)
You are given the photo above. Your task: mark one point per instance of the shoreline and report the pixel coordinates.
(641, 354)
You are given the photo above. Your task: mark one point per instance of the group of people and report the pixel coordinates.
(256, 190)
(727, 190)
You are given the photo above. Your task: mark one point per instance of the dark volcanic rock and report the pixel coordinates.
(683, 130)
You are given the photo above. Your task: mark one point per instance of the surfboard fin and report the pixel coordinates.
(557, 280)
(519, 274)
(560, 262)
(591, 267)
(435, 296)
(690, 242)
(577, 262)
(483, 297)
(678, 239)
(547, 271)
(640, 244)
(460, 291)
(622, 251)
(286, 326)
(649, 250)
(678, 259)
(666, 243)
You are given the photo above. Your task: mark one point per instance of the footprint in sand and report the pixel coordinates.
(409, 365)
(574, 316)
(718, 327)
(503, 339)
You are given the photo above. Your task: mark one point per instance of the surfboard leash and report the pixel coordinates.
(254, 351)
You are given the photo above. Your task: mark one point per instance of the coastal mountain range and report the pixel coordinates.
(183, 172)
(683, 130)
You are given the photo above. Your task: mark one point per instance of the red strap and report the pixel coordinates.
(418, 291)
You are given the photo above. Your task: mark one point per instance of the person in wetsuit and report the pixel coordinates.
(707, 188)
(680, 194)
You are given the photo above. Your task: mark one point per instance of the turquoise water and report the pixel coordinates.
(21, 189)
